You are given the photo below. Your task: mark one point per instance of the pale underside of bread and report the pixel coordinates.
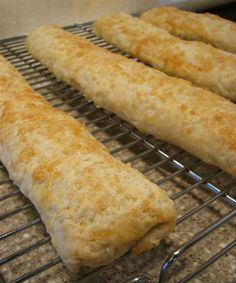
(200, 63)
(194, 26)
(195, 119)
(94, 207)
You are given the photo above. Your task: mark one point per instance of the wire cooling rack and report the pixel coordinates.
(201, 247)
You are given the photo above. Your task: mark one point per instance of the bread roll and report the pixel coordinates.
(197, 62)
(194, 26)
(94, 207)
(195, 119)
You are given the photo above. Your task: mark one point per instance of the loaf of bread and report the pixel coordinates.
(206, 27)
(94, 207)
(195, 119)
(202, 64)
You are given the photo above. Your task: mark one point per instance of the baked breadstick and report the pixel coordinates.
(206, 27)
(195, 119)
(198, 62)
(94, 207)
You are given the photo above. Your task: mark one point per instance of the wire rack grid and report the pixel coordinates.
(204, 238)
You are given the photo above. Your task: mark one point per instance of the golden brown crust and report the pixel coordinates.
(195, 119)
(206, 27)
(202, 64)
(95, 208)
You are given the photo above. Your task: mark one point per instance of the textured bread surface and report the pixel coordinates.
(194, 26)
(94, 207)
(195, 119)
(200, 63)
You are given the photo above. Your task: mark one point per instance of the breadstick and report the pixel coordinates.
(94, 207)
(202, 64)
(195, 119)
(205, 27)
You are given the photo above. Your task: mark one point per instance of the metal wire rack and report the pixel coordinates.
(204, 195)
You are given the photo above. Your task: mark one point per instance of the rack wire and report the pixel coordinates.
(204, 195)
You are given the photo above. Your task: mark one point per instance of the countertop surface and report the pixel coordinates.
(21, 16)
